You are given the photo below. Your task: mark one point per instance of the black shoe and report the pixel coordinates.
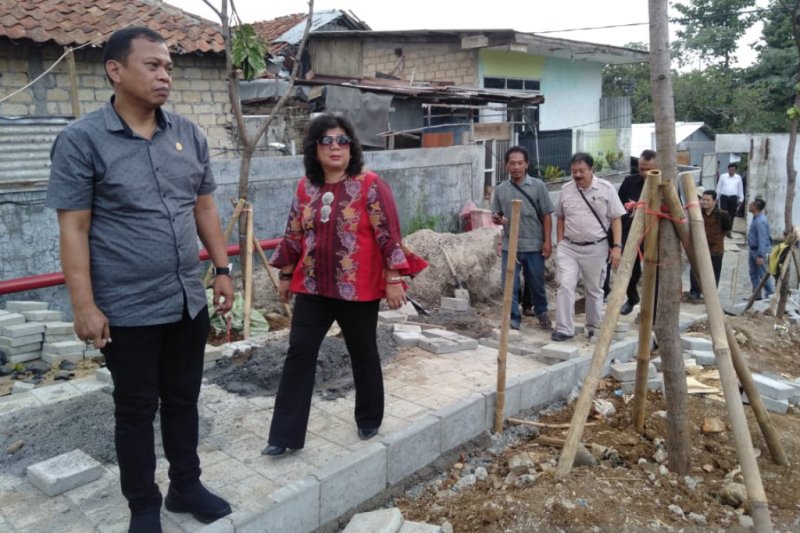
(626, 308)
(514, 325)
(528, 312)
(147, 521)
(273, 450)
(367, 433)
(559, 337)
(199, 501)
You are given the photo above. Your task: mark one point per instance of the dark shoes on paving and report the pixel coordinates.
(694, 298)
(273, 450)
(197, 500)
(559, 337)
(544, 322)
(146, 521)
(627, 307)
(528, 312)
(367, 433)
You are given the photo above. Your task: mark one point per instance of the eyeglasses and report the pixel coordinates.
(341, 140)
(325, 211)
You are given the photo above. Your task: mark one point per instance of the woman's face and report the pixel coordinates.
(333, 157)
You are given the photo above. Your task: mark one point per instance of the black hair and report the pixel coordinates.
(582, 157)
(760, 204)
(118, 46)
(316, 130)
(734, 165)
(648, 155)
(520, 149)
(712, 193)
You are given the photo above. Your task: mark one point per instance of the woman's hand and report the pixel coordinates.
(395, 295)
(284, 294)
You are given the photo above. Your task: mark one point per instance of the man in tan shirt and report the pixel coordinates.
(587, 207)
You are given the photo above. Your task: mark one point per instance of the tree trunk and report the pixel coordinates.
(791, 173)
(669, 290)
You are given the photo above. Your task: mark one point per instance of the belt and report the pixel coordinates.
(588, 243)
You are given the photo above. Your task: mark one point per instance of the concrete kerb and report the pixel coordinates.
(462, 421)
(413, 448)
(295, 507)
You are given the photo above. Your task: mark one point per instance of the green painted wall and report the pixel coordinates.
(500, 64)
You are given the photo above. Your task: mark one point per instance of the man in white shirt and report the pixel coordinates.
(730, 191)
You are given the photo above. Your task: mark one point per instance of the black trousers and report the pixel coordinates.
(632, 291)
(716, 263)
(151, 365)
(729, 204)
(311, 319)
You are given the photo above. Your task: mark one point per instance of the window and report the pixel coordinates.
(511, 83)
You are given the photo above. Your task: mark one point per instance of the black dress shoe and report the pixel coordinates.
(367, 433)
(197, 500)
(273, 450)
(559, 337)
(626, 308)
(146, 521)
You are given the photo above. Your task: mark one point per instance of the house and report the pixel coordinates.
(693, 140)
(42, 91)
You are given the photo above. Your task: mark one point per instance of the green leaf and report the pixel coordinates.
(248, 51)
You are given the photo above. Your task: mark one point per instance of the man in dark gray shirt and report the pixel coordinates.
(132, 185)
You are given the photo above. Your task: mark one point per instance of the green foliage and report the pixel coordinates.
(710, 29)
(553, 173)
(422, 220)
(632, 80)
(248, 51)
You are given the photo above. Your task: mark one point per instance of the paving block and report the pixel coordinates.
(24, 357)
(25, 329)
(623, 350)
(103, 374)
(512, 334)
(294, 507)
(11, 342)
(440, 333)
(391, 317)
(25, 348)
(622, 327)
(18, 306)
(412, 448)
(559, 350)
(51, 338)
(64, 472)
(464, 342)
(91, 353)
(59, 328)
(562, 378)
(439, 346)
(408, 338)
(11, 319)
(697, 344)
(351, 480)
(462, 420)
(44, 315)
(627, 371)
(582, 365)
(65, 348)
(408, 310)
(489, 343)
(776, 406)
(703, 358)
(419, 527)
(54, 360)
(456, 305)
(535, 390)
(380, 521)
(407, 328)
(773, 388)
(208, 365)
(19, 387)
(212, 353)
(656, 383)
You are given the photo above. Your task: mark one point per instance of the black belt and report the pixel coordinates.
(584, 243)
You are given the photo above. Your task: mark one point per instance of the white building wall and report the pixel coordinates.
(572, 91)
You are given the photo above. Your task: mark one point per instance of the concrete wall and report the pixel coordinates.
(431, 182)
(572, 92)
(199, 89)
(766, 175)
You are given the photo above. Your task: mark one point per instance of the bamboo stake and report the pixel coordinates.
(648, 297)
(756, 402)
(248, 271)
(757, 499)
(73, 84)
(670, 195)
(270, 273)
(237, 211)
(615, 300)
(782, 287)
(752, 299)
(508, 291)
(533, 423)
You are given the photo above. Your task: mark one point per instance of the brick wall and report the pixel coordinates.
(199, 90)
(423, 61)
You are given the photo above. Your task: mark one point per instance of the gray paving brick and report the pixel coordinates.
(773, 388)
(703, 358)
(11, 342)
(407, 328)
(489, 343)
(776, 406)
(351, 481)
(438, 345)
(10, 319)
(513, 397)
(25, 329)
(559, 350)
(697, 343)
(462, 420)
(24, 357)
(60, 337)
(391, 317)
(20, 387)
(457, 305)
(212, 353)
(65, 348)
(380, 521)
(103, 374)
(24, 348)
(59, 328)
(64, 472)
(294, 508)
(412, 448)
(535, 391)
(43, 315)
(582, 365)
(17, 306)
(55, 359)
(623, 350)
(655, 383)
(627, 371)
(407, 338)
(513, 334)
(562, 378)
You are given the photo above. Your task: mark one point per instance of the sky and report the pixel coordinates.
(537, 16)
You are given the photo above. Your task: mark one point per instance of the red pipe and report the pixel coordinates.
(41, 281)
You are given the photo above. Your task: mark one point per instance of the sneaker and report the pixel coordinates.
(204, 505)
(560, 337)
(544, 322)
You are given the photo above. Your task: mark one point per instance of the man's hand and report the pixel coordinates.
(547, 249)
(615, 255)
(91, 325)
(395, 295)
(284, 294)
(759, 261)
(223, 294)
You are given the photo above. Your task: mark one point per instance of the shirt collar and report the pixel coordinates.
(114, 122)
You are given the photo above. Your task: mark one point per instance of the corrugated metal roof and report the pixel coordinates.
(25, 149)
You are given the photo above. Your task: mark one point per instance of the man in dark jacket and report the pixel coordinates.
(717, 224)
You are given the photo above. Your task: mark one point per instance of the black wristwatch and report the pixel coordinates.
(223, 271)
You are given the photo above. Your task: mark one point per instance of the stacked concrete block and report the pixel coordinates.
(775, 392)
(211, 356)
(701, 357)
(19, 306)
(20, 341)
(454, 305)
(625, 373)
(58, 331)
(43, 315)
(407, 334)
(462, 341)
(391, 317)
(556, 352)
(54, 353)
(698, 344)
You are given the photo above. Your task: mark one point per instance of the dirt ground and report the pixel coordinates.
(630, 489)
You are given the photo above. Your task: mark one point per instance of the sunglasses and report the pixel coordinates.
(325, 211)
(341, 140)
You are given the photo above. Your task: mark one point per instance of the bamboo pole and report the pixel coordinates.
(248, 271)
(237, 211)
(73, 83)
(649, 272)
(782, 287)
(670, 195)
(615, 300)
(756, 402)
(270, 273)
(508, 291)
(761, 284)
(757, 499)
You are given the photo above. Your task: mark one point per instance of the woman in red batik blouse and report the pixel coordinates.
(340, 256)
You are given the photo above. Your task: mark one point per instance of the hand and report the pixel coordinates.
(759, 261)
(223, 294)
(91, 325)
(547, 249)
(615, 254)
(284, 294)
(395, 295)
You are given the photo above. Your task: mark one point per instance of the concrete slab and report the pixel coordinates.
(64, 472)
(351, 481)
(408, 338)
(627, 371)
(391, 317)
(55, 360)
(24, 357)
(462, 421)
(407, 328)
(59, 328)
(55, 393)
(559, 350)
(22, 330)
(103, 375)
(17, 306)
(773, 388)
(419, 527)
(776, 406)
(535, 390)
(380, 521)
(65, 348)
(655, 383)
(20, 387)
(295, 507)
(438, 345)
(513, 399)
(11, 319)
(703, 358)
(212, 353)
(24, 348)
(43, 315)
(61, 337)
(697, 344)
(562, 378)
(455, 305)
(11, 342)
(412, 448)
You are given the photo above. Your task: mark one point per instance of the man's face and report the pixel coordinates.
(517, 166)
(581, 173)
(145, 76)
(646, 165)
(752, 208)
(731, 171)
(707, 202)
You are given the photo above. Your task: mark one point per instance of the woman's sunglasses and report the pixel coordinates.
(341, 140)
